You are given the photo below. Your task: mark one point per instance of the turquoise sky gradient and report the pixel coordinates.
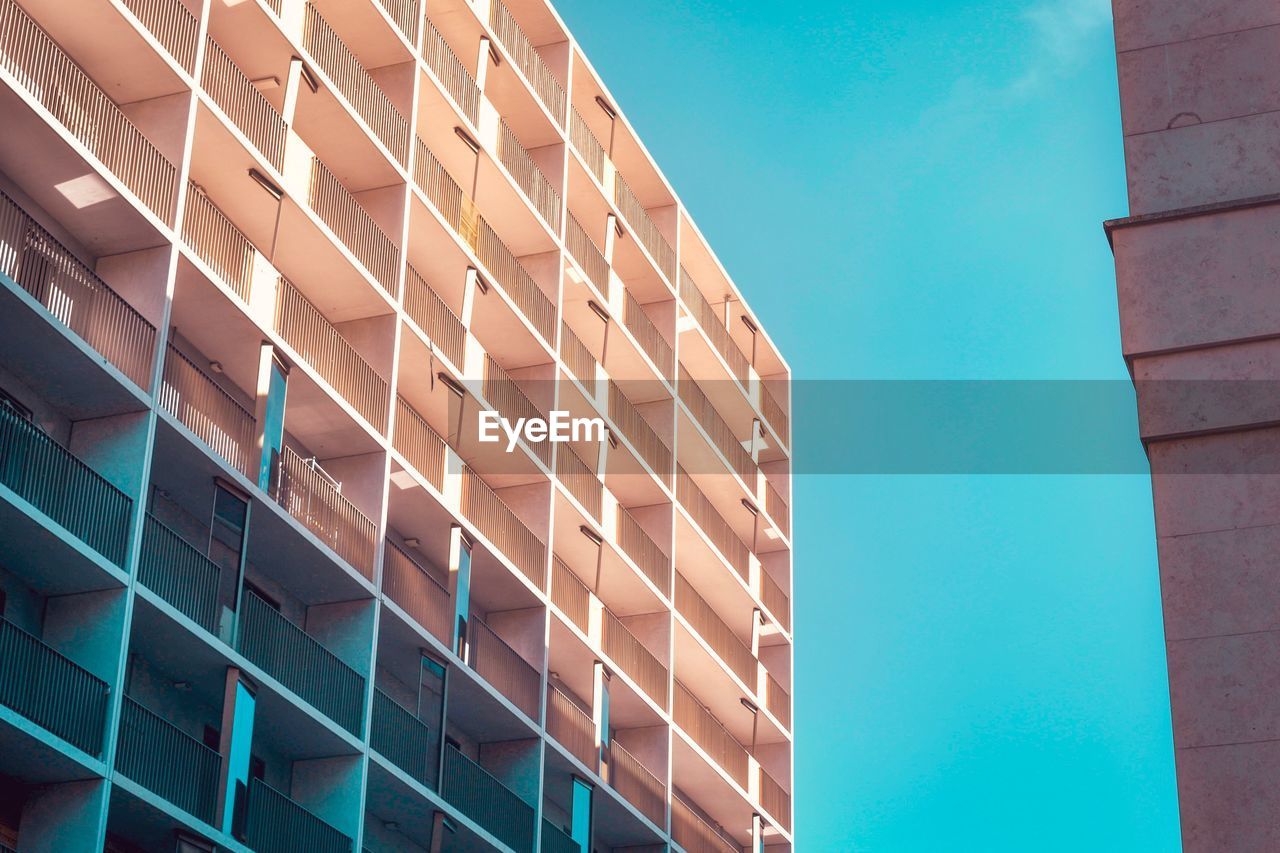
(915, 190)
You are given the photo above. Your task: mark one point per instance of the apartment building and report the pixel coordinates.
(262, 587)
(1196, 265)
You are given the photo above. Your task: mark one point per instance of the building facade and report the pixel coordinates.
(1197, 265)
(266, 264)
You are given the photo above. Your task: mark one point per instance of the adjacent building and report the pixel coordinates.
(1198, 271)
(263, 264)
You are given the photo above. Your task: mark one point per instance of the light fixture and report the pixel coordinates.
(263, 84)
(267, 184)
(599, 312)
(412, 542)
(215, 366)
(608, 110)
(466, 138)
(452, 384)
(591, 534)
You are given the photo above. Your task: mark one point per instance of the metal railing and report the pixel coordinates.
(507, 270)
(528, 176)
(633, 658)
(419, 444)
(717, 634)
(777, 700)
(777, 508)
(704, 514)
(505, 395)
(54, 80)
(694, 834)
(556, 840)
(297, 660)
(453, 75)
(572, 727)
(444, 193)
(586, 144)
(713, 326)
(710, 734)
(49, 477)
(570, 594)
(492, 517)
(636, 784)
(652, 449)
(577, 357)
(218, 242)
(584, 250)
(425, 307)
(173, 25)
(643, 551)
(401, 737)
(51, 690)
(775, 599)
(771, 409)
(720, 433)
(233, 91)
(353, 225)
(644, 227)
(73, 294)
(318, 343)
(637, 321)
(178, 572)
(354, 82)
(480, 796)
(167, 761)
(276, 824)
(503, 667)
(417, 593)
(579, 479)
(312, 499)
(528, 60)
(776, 801)
(216, 418)
(405, 15)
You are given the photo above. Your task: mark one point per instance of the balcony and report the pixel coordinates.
(573, 728)
(637, 785)
(586, 144)
(434, 317)
(774, 598)
(648, 444)
(528, 60)
(578, 358)
(643, 551)
(417, 593)
(217, 242)
(718, 431)
(167, 761)
(694, 834)
(495, 520)
(570, 595)
(50, 690)
(312, 499)
(353, 225)
(713, 525)
(713, 327)
(644, 228)
(295, 659)
(173, 25)
(775, 800)
(451, 73)
(401, 737)
(773, 414)
(777, 700)
(481, 797)
(633, 658)
(200, 404)
(503, 667)
(56, 82)
(276, 824)
(47, 475)
(777, 509)
(179, 573)
(556, 840)
(714, 632)
(531, 180)
(710, 734)
(580, 480)
(647, 335)
(242, 102)
(405, 14)
(587, 255)
(72, 293)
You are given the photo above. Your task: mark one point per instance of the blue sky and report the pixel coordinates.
(915, 190)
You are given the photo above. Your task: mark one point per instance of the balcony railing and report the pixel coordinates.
(583, 250)
(450, 71)
(73, 293)
(434, 317)
(401, 737)
(556, 840)
(652, 449)
(405, 14)
(233, 91)
(502, 666)
(215, 417)
(411, 587)
(572, 727)
(46, 475)
(644, 227)
(218, 243)
(713, 326)
(492, 517)
(772, 411)
(335, 521)
(167, 761)
(633, 658)
(54, 80)
(647, 335)
(708, 733)
(528, 60)
(481, 797)
(531, 179)
(360, 89)
(777, 508)
(294, 658)
(179, 573)
(776, 801)
(418, 443)
(720, 433)
(173, 25)
(353, 225)
(777, 701)
(586, 144)
(637, 785)
(646, 554)
(718, 635)
(504, 394)
(577, 357)
(317, 342)
(50, 690)
(506, 268)
(444, 193)
(570, 594)
(276, 824)
(775, 599)
(694, 834)
(579, 479)
(704, 514)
